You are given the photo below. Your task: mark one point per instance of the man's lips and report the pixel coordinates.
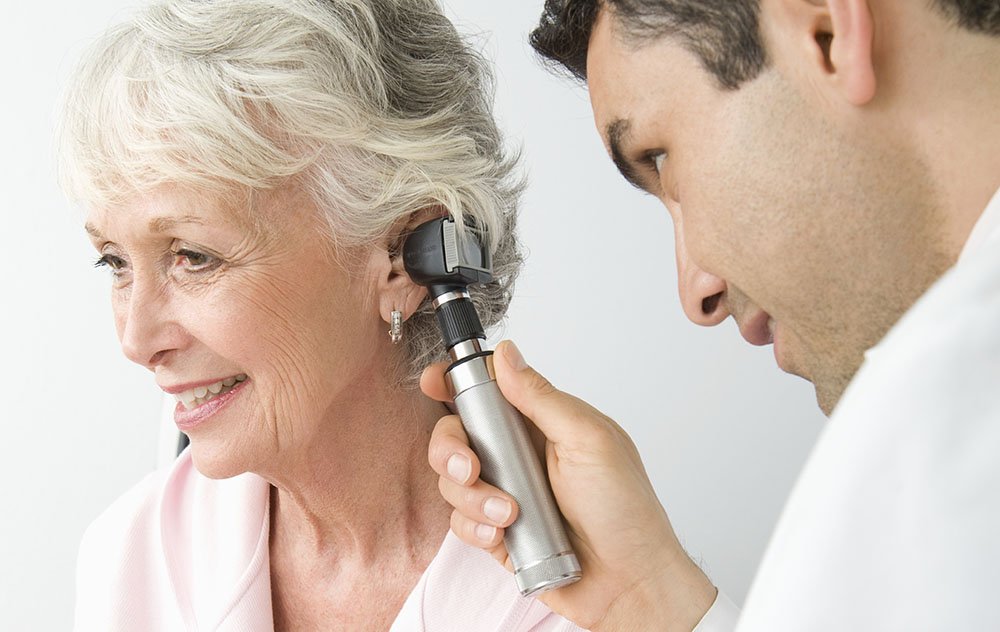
(759, 330)
(756, 330)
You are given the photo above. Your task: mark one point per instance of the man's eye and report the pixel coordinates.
(657, 160)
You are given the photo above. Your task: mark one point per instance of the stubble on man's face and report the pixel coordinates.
(828, 223)
(833, 226)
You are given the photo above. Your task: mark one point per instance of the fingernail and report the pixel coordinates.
(514, 357)
(497, 509)
(459, 467)
(485, 532)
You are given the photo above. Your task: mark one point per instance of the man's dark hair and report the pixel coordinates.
(723, 34)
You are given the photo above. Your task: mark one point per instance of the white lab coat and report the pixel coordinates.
(894, 523)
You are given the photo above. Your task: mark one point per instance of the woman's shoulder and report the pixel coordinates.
(118, 569)
(127, 515)
(463, 583)
(170, 498)
(140, 559)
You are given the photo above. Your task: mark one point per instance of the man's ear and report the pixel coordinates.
(834, 38)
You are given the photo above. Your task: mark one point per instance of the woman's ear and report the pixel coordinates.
(834, 38)
(396, 291)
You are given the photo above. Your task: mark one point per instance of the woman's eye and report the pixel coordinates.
(195, 261)
(117, 264)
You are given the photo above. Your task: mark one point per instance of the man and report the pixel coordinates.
(826, 164)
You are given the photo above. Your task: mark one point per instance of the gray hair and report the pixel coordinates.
(378, 107)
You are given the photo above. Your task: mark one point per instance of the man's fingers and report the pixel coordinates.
(449, 453)
(481, 536)
(561, 417)
(432, 382)
(480, 502)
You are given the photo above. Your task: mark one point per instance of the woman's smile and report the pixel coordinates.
(196, 404)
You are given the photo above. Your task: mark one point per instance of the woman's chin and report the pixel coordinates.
(216, 462)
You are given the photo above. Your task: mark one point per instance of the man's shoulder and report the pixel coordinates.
(957, 316)
(939, 365)
(892, 513)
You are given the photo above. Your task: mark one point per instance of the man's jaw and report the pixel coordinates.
(759, 328)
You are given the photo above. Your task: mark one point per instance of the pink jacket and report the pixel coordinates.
(183, 552)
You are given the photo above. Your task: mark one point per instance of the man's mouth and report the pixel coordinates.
(199, 395)
(758, 330)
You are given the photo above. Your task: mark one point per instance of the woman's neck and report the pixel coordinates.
(359, 490)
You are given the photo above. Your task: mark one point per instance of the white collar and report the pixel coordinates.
(988, 223)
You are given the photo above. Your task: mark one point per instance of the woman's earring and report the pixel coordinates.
(396, 326)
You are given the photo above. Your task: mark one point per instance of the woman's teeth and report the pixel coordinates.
(201, 394)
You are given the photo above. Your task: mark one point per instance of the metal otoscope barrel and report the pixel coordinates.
(536, 542)
(436, 258)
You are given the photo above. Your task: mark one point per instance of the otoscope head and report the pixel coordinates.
(436, 258)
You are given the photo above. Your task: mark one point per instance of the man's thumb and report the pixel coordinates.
(551, 410)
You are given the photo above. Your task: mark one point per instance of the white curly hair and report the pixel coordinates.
(378, 107)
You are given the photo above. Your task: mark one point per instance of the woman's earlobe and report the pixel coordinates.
(396, 326)
(406, 298)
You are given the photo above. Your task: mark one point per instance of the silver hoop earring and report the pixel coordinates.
(396, 326)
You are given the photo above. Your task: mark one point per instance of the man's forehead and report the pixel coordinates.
(635, 87)
(619, 95)
(620, 74)
(605, 83)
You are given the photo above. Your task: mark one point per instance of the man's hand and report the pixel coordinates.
(636, 576)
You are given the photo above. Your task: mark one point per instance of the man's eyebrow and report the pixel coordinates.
(618, 134)
(163, 224)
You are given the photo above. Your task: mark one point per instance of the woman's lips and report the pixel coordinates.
(188, 419)
(198, 394)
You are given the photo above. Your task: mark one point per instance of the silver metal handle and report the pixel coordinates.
(536, 542)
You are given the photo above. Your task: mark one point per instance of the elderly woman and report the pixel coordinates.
(249, 170)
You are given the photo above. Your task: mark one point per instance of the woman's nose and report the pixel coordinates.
(147, 332)
(701, 293)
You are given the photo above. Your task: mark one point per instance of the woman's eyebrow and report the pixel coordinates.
(156, 225)
(163, 224)
(92, 231)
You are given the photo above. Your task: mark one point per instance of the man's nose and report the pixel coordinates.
(146, 329)
(701, 293)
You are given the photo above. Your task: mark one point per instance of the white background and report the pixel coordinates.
(723, 433)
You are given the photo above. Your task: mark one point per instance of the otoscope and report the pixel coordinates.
(438, 257)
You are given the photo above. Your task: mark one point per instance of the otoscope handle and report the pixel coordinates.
(536, 542)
